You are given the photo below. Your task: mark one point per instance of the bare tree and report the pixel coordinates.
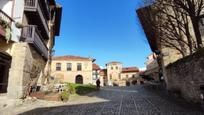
(172, 26)
(194, 9)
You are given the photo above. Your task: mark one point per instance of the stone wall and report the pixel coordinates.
(70, 76)
(26, 67)
(113, 72)
(186, 75)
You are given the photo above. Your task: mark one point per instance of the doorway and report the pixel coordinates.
(5, 63)
(79, 79)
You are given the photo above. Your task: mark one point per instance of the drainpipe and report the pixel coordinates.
(12, 10)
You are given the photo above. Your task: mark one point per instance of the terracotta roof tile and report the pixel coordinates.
(95, 66)
(114, 62)
(130, 69)
(69, 57)
(103, 72)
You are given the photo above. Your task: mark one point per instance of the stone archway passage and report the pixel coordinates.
(5, 63)
(79, 79)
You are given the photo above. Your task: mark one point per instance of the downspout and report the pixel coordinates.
(12, 10)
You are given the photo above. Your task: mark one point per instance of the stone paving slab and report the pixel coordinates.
(116, 101)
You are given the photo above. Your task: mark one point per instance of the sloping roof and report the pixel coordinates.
(103, 72)
(58, 18)
(130, 69)
(114, 62)
(74, 58)
(95, 66)
(147, 15)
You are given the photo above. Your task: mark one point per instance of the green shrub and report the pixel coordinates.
(71, 88)
(4, 24)
(84, 89)
(64, 96)
(80, 88)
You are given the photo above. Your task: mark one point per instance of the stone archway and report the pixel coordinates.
(79, 79)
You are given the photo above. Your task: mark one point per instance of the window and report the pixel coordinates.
(58, 66)
(110, 76)
(69, 67)
(119, 76)
(79, 67)
(126, 76)
(133, 76)
(116, 67)
(111, 68)
(94, 77)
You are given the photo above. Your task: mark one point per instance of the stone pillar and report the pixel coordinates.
(26, 68)
(18, 72)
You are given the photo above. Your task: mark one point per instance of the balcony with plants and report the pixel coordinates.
(5, 25)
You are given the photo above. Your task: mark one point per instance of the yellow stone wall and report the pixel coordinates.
(128, 75)
(69, 76)
(26, 68)
(115, 73)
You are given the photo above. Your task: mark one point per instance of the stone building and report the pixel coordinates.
(152, 67)
(165, 55)
(113, 71)
(73, 69)
(103, 75)
(115, 74)
(27, 34)
(96, 74)
(129, 72)
(183, 76)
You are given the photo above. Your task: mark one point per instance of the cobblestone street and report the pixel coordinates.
(122, 101)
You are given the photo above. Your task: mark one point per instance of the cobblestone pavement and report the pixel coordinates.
(135, 100)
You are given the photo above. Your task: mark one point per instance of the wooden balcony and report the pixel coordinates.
(36, 16)
(30, 34)
(4, 19)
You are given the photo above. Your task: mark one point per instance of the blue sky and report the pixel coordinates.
(107, 30)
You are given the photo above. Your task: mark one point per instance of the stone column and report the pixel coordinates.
(19, 74)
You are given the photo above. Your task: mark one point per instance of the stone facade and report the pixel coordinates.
(127, 75)
(186, 76)
(29, 47)
(27, 66)
(165, 55)
(103, 76)
(152, 67)
(181, 75)
(158, 41)
(116, 74)
(96, 75)
(70, 76)
(113, 71)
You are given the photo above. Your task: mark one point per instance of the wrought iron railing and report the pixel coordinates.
(31, 35)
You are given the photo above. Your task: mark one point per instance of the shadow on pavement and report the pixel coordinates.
(133, 100)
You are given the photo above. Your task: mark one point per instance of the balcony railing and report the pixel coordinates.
(4, 19)
(31, 35)
(35, 6)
